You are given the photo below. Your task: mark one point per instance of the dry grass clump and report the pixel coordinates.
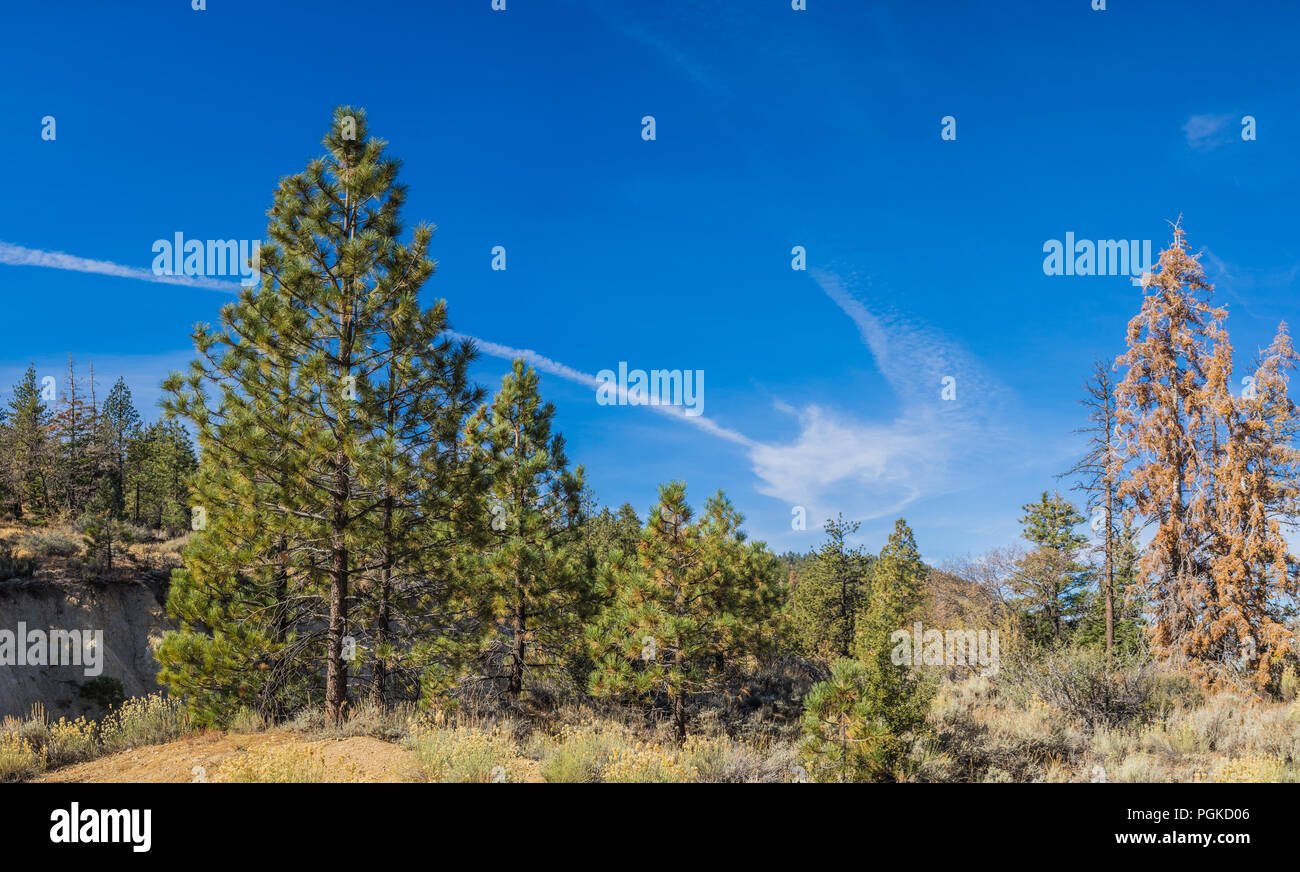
(246, 720)
(1254, 768)
(1229, 737)
(720, 759)
(984, 734)
(70, 741)
(589, 748)
(580, 752)
(284, 764)
(145, 720)
(462, 754)
(391, 724)
(991, 731)
(577, 745)
(1289, 685)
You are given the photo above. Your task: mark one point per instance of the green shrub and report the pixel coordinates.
(845, 739)
(104, 691)
(49, 543)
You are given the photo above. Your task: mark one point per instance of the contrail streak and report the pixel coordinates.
(16, 255)
(545, 364)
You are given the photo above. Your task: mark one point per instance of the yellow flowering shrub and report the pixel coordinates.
(70, 741)
(466, 754)
(145, 720)
(642, 763)
(18, 759)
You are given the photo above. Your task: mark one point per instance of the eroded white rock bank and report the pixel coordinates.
(58, 636)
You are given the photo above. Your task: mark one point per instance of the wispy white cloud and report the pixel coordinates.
(1244, 278)
(914, 358)
(840, 462)
(1205, 132)
(16, 255)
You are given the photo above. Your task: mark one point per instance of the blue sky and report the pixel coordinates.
(775, 128)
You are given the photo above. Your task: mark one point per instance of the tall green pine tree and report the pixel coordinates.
(533, 567)
(304, 404)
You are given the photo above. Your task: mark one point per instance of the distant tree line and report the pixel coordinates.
(67, 456)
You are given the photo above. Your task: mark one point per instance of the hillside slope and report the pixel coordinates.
(212, 756)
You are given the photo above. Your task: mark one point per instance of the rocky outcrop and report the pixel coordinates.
(130, 614)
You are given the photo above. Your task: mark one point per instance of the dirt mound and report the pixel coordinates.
(201, 757)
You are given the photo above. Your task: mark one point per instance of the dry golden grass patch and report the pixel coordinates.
(261, 757)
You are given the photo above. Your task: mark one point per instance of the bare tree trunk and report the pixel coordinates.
(518, 649)
(379, 669)
(336, 675)
(1110, 575)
